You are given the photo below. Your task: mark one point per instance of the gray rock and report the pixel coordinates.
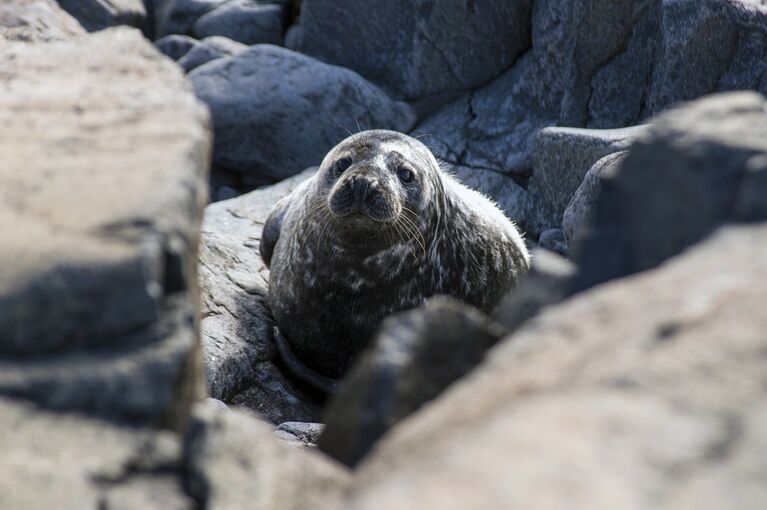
(545, 284)
(236, 328)
(294, 37)
(415, 356)
(243, 21)
(272, 396)
(494, 126)
(36, 20)
(277, 112)
(209, 49)
(179, 16)
(751, 202)
(553, 240)
(602, 64)
(646, 393)
(709, 46)
(175, 46)
(419, 49)
(149, 478)
(679, 181)
(217, 405)
(582, 203)
(65, 461)
(100, 14)
(235, 463)
(32, 474)
(98, 267)
(305, 434)
(561, 159)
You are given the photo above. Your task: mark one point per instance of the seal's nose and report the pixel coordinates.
(361, 189)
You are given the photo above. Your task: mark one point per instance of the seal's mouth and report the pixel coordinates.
(362, 216)
(358, 203)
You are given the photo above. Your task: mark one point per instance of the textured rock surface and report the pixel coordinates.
(581, 205)
(415, 356)
(100, 14)
(243, 21)
(277, 112)
(275, 398)
(561, 159)
(64, 461)
(300, 434)
(420, 50)
(236, 326)
(679, 181)
(106, 257)
(175, 46)
(603, 64)
(179, 16)
(648, 392)
(209, 49)
(36, 20)
(236, 463)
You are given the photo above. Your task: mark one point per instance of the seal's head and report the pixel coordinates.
(372, 179)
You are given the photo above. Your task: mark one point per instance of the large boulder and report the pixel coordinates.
(102, 201)
(100, 14)
(236, 328)
(277, 112)
(179, 16)
(36, 20)
(209, 49)
(418, 49)
(236, 463)
(545, 284)
(175, 46)
(579, 210)
(243, 21)
(414, 357)
(649, 392)
(561, 159)
(602, 64)
(54, 460)
(696, 167)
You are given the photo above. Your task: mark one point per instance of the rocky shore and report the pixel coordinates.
(144, 143)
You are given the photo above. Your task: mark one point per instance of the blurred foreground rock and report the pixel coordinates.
(103, 185)
(697, 167)
(52, 460)
(36, 20)
(645, 393)
(100, 227)
(236, 463)
(414, 357)
(100, 14)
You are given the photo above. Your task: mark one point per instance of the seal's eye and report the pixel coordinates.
(405, 174)
(342, 164)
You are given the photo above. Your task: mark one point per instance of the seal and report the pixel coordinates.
(378, 229)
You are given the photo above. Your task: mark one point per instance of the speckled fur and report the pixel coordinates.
(335, 278)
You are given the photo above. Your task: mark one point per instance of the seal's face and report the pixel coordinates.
(375, 179)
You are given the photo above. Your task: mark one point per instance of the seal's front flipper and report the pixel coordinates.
(271, 232)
